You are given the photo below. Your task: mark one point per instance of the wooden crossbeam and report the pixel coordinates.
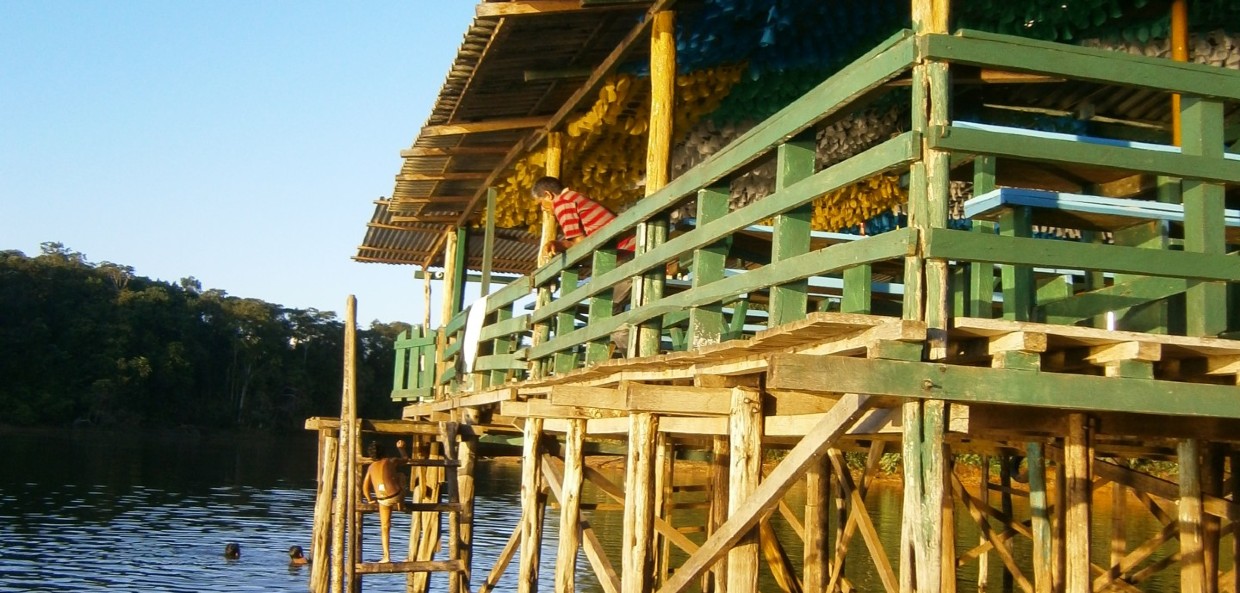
(983, 525)
(761, 503)
(517, 8)
(476, 127)
(451, 176)
(483, 150)
(603, 569)
(859, 518)
(411, 566)
(502, 562)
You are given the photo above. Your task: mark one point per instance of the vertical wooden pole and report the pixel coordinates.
(911, 554)
(1005, 507)
(1233, 583)
(531, 514)
(1040, 523)
(426, 298)
(465, 488)
(658, 149)
(1179, 53)
(948, 538)
(451, 454)
(488, 243)
(795, 161)
(341, 570)
(446, 308)
(1212, 485)
(983, 494)
(745, 444)
(565, 360)
(1076, 467)
(840, 504)
(706, 322)
(1192, 566)
(817, 510)
(1119, 529)
(1059, 564)
(353, 581)
(636, 554)
(933, 470)
(665, 454)
(600, 307)
(720, 463)
(542, 331)
(323, 513)
(1206, 303)
(570, 507)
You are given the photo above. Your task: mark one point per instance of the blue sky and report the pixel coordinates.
(241, 143)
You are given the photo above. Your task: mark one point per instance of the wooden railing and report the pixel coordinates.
(574, 329)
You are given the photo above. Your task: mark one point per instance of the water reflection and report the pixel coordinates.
(87, 512)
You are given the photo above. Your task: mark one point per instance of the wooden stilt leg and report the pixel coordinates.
(465, 486)
(531, 493)
(1059, 539)
(717, 580)
(934, 471)
(319, 573)
(948, 539)
(664, 453)
(1076, 467)
(745, 432)
(636, 572)
(1233, 584)
(817, 503)
(570, 507)
(1119, 530)
(1005, 506)
(983, 560)
(841, 522)
(1040, 524)
(1211, 484)
(910, 552)
(1192, 565)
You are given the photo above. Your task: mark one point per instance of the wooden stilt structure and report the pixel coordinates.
(1068, 361)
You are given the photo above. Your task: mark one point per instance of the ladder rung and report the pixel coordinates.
(417, 507)
(431, 462)
(410, 566)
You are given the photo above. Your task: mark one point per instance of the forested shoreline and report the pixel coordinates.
(92, 344)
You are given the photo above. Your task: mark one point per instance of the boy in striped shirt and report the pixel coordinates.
(577, 216)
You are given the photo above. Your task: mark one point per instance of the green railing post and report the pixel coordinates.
(604, 261)
(1017, 280)
(706, 322)
(1202, 134)
(982, 274)
(790, 237)
(565, 360)
(649, 333)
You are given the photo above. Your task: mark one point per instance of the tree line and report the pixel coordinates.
(85, 343)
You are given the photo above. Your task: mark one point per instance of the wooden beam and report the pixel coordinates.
(450, 151)
(745, 442)
(517, 8)
(834, 374)
(459, 176)
(809, 450)
(477, 127)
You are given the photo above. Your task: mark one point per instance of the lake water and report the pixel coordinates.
(81, 511)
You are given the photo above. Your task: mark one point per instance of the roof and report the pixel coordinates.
(518, 65)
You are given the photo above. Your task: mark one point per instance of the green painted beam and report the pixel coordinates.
(835, 258)
(509, 294)
(1019, 54)
(564, 360)
(1202, 137)
(505, 327)
(1017, 281)
(858, 289)
(501, 362)
(601, 305)
(892, 154)
(839, 374)
(961, 245)
(982, 274)
(1052, 150)
(457, 323)
(1135, 292)
(503, 343)
(885, 62)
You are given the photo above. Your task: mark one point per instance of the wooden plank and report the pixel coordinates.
(764, 498)
(574, 529)
(492, 396)
(1053, 150)
(1016, 54)
(450, 151)
(601, 306)
(450, 176)
(673, 399)
(637, 557)
(477, 127)
(541, 408)
(833, 374)
(518, 8)
(407, 567)
(961, 245)
(886, 61)
(507, 327)
(816, 551)
(1135, 291)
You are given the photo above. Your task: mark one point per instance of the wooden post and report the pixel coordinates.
(1119, 529)
(1233, 583)
(468, 453)
(323, 513)
(658, 150)
(983, 560)
(1076, 467)
(1212, 485)
(817, 510)
(745, 444)
(1192, 565)
(636, 564)
(1040, 519)
(982, 274)
(910, 552)
(665, 455)
(933, 487)
(531, 514)
(447, 307)
(542, 331)
(841, 524)
(342, 509)
(570, 507)
(488, 243)
(600, 306)
(1005, 507)
(947, 539)
(1059, 564)
(717, 580)
(1179, 53)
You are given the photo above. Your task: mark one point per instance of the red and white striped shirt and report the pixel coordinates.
(580, 216)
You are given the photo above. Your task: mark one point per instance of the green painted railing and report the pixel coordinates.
(575, 327)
